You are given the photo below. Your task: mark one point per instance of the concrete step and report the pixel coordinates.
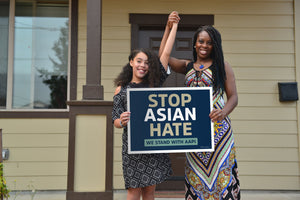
(245, 195)
(159, 195)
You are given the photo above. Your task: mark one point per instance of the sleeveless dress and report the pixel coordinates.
(212, 175)
(140, 170)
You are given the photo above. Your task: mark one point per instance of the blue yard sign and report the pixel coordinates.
(170, 120)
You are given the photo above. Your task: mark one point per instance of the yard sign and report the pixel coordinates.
(170, 120)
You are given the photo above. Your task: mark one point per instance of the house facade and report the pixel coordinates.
(59, 51)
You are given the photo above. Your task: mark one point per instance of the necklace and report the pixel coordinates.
(201, 66)
(198, 80)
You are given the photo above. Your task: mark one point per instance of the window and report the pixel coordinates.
(39, 67)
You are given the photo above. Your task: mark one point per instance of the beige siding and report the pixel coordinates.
(81, 67)
(258, 41)
(38, 156)
(297, 60)
(90, 156)
(260, 47)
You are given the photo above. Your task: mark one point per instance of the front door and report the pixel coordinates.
(182, 49)
(146, 32)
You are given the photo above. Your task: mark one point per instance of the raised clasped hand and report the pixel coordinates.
(173, 18)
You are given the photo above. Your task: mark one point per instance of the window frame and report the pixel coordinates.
(8, 111)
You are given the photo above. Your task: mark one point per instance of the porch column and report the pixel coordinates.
(93, 89)
(90, 161)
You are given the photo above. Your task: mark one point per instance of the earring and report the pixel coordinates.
(194, 47)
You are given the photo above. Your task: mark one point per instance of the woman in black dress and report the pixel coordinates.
(142, 171)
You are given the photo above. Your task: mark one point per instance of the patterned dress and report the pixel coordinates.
(212, 175)
(140, 170)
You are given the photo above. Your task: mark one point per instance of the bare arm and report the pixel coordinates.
(230, 89)
(166, 52)
(173, 17)
(177, 65)
(124, 117)
(164, 40)
(231, 94)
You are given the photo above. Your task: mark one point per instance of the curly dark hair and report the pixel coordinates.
(152, 78)
(218, 68)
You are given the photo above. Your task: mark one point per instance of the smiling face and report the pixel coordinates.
(203, 45)
(139, 66)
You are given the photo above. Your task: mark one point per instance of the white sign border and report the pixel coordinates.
(170, 151)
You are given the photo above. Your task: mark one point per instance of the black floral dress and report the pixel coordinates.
(140, 170)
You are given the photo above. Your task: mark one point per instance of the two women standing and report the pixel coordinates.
(208, 175)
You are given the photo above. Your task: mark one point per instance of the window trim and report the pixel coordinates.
(10, 64)
(34, 114)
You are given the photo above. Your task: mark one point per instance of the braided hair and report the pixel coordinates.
(151, 79)
(218, 68)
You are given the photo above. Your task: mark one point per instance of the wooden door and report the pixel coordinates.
(182, 49)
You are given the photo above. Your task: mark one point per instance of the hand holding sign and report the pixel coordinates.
(124, 117)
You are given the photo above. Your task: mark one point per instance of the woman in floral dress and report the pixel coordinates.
(211, 175)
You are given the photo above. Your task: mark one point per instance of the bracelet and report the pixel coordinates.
(121, 124)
